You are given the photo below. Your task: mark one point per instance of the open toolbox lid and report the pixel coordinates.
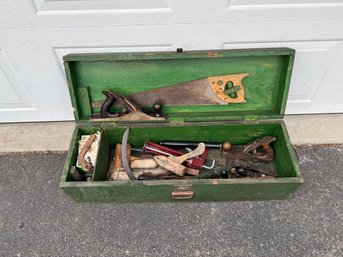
(265, 87)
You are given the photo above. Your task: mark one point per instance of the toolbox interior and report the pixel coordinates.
(241, 133)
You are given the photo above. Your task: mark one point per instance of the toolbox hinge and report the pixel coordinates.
(99, 124)
(251, 117)
(177, 123)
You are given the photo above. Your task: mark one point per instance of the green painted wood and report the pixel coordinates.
(72, 85)
(173, 55)
(287, 168)
(210, 190)
(73, 149)
(71, 157)
(101, 167)
(266, 87)
(85, 104)
(286, 80)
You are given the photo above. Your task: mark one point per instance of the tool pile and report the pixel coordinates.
(189, 160)
(175, 159)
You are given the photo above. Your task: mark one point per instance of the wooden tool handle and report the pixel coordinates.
(143, 164)
(118, 165)
(196, 152)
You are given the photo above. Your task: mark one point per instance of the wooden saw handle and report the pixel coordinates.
(169, 164)
(196, 152)
(218, 84)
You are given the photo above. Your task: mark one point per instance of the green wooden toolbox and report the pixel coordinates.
(263, 93)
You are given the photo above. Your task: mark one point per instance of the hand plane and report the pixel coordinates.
(131, 112)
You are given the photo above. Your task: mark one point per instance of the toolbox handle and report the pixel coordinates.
(182, 193)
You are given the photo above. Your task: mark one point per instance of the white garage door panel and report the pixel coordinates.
(186, 12)
(100, 6)
(85, 13)
(183, 11)
(41, 66)
(36, 34)
(312, 63)
(12, 95)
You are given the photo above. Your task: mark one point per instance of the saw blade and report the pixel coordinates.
(196, 92)
(216, 90)
(207, 91)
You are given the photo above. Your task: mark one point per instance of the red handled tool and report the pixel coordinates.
(195, 162)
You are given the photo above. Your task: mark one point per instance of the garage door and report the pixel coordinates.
(36, 34)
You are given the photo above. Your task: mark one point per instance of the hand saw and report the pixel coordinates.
(214, 90)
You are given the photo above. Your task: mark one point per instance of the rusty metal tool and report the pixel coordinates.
(86, 165)
(131, 111)
(250, 166)
(222, 90)
(211, 90)
(214, 173)
(258, 150)
(237, 169)
(174, 164)
(124, 158)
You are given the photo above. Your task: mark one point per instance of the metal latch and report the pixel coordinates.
(182, 192)
(251, 117)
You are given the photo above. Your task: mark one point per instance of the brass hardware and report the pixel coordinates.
(182, 192)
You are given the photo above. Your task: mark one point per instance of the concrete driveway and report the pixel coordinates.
(38, 219)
